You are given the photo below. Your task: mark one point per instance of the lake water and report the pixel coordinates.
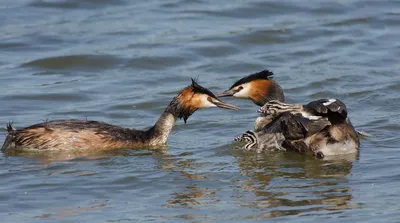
(123, 61)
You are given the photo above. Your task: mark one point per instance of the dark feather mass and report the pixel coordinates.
(332, 109)
(9, 128)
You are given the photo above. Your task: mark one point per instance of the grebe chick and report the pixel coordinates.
(258, 87)
(319, 127)
(84, 135)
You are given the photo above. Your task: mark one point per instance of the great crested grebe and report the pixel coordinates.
(258, 87)
(319, 127)
(84, 135)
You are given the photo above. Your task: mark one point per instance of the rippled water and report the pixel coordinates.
(123, 61)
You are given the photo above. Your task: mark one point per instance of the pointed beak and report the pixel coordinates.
(225, 93)
(221, 104)
(261, 110)
(264, 110)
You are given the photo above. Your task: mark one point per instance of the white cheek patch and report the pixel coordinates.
(205, 103)
(330, 101)
(244, 93)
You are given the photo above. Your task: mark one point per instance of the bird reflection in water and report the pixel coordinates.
(59, 213)
(191, 194)
(269, 185)
(282, 184)
(51, 157)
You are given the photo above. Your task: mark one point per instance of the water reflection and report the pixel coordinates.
(62, 156)
(268, 185)
(291, 184)
(192, 197)
(191, 194)
(271, 185)
(60, 213)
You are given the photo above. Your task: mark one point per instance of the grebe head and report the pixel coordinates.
(259, 87)
(195, 97)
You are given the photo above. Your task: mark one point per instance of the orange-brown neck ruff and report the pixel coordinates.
(262, 91)
(183, 105)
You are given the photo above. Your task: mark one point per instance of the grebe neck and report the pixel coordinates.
(160, 131)
(158, 134)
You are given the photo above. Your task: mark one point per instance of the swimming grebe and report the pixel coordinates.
(258, 87)
(319, 127)
(84, 135)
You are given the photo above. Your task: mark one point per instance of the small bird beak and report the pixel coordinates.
(264, 110)
(225, 93)
(260, 110)
(221, 104)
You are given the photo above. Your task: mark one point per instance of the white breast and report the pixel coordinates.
(339, 148)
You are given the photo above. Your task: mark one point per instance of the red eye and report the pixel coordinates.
(240, 88)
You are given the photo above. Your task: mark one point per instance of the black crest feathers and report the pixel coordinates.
(265, 74)
(10, 128)
(201, 90)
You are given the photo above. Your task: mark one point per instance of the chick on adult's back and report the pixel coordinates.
(85, 135)
(261, 88)
(319, 127)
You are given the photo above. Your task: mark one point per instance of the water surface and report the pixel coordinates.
(123, 61)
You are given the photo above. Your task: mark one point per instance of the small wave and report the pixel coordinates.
(157, 62)
(13, 46)
(75, 4)
(216, 51)
(76, 62)
(48, 97)
(350, 22)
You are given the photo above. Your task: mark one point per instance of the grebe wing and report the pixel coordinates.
(328, 108)
(295, 126)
